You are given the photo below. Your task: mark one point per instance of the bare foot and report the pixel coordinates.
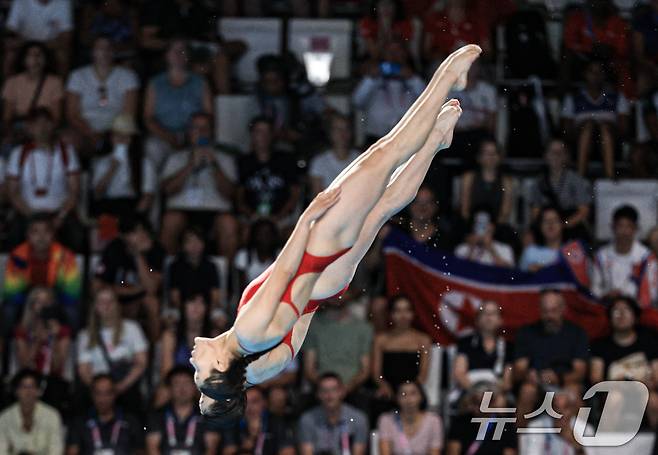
(444, 126)
(459, 62)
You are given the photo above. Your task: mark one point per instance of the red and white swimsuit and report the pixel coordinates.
(308, 264)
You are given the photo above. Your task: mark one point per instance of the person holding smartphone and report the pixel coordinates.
(387, 90)
(199, 183)
(480, 245)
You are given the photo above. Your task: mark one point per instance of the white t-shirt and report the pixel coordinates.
(477, 103)
(483, 256)
(132, 342)
(37, 21)
(327, 167)
(42, 175)
(99, 109)
(199, 191)
(384, 101)
(250, 264)
(120, 185)
(614, 271)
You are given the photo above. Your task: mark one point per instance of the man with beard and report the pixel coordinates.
(551, 352)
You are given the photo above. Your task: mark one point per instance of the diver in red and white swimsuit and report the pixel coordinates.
(330, 238)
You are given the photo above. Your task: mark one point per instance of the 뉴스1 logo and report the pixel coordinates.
(620, 420)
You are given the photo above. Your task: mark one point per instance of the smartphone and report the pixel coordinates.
(390, 69)
(481, 223)
(203, 142)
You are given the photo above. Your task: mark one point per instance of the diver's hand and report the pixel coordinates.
(320, 204)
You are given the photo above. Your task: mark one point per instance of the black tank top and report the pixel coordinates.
(400, 366)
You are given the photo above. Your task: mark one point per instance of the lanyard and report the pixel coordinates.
(344, 439)
(475, 445)
(96, 433)
(41, 190)
(48, 355)
(189, 434)
(403, 440)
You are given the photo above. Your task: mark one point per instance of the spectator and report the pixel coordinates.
(385, 22)
(563, 188)
(287, 99)
(47, 21)
(339, 342)
(97, 94)
(326, 166)
(480, 245)
(269, 180)
(616, 263)
(259, 431)
(193, 274)
(484, 356)
(132, 266)
(114, 346)
(263, 246)
(172, 98)
(487, 188)
(596, 112)
(43, 176)
(200, 184)
(178, 427)
(197, 24)
(108, 427)
(42, 342)
(462, 437)
(424, 225)
(115, 19)
(123, 179)
(34, 85)
(29, 425)
(628, 353)
(566, 403)
(41, 261)
(412, 429)
(549, 352)
(546, 251)
(328, 428)
(479, 114)
(597, 32)
(387, 91)
(452, 27)
(177, 340)
(400, 354)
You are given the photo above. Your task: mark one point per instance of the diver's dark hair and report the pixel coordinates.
(227, 388)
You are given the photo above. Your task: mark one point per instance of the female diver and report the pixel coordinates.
(330, 238)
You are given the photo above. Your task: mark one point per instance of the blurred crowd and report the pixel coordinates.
(129, 226)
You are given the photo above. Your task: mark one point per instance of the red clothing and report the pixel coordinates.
(38, 271)
(368, 29)
(43, 355)
(446, 36)
(308, 264)
(581, 33)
